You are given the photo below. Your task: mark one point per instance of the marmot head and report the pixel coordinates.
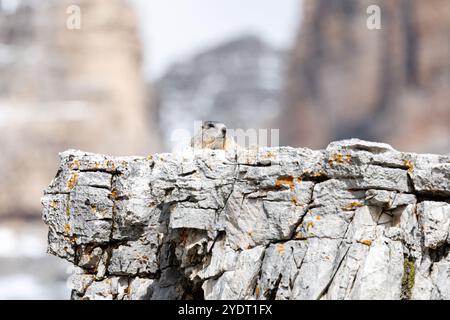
(214, 126)
(213, 135)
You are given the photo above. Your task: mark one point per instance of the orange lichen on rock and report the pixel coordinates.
(339, 158)
(257, 291)
(366, 242)
(114, 194)
(281, 249)
(285, 180)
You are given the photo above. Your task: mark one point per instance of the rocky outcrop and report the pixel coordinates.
(358, 220)
(392, 84)
(62, 87)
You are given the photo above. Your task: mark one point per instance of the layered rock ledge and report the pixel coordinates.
(358, 220)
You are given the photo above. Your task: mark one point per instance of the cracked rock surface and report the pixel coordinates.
(358, 220)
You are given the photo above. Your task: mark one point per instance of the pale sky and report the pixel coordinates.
(173, 30)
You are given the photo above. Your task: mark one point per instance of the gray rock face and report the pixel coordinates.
(358, 220)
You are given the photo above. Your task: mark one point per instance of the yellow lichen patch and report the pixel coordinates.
(299, 236)
(110, 164)
(285, 180)
(72, 240)
(149, 157)
(366, 242)
(257, 291)
(54, 204)
(352, 205)
(280, 249)
(72, 181)
(93, 209)
(294, 200)
(339, 158)
(312, 174)
(97, 165)
(74, 165)
(409, 165)
(67, 228)
(309, 225)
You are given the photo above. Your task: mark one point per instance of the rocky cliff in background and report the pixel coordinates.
(393, 84)
(62, 88)
(238, 82)
(358, 220)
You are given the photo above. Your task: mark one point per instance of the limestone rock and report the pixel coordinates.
(347, 222)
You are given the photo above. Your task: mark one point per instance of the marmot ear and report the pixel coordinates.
(207, 125)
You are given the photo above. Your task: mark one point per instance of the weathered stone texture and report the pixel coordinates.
(358, 220)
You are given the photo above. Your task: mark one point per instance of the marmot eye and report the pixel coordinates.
(210, 125)
(224, 130)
